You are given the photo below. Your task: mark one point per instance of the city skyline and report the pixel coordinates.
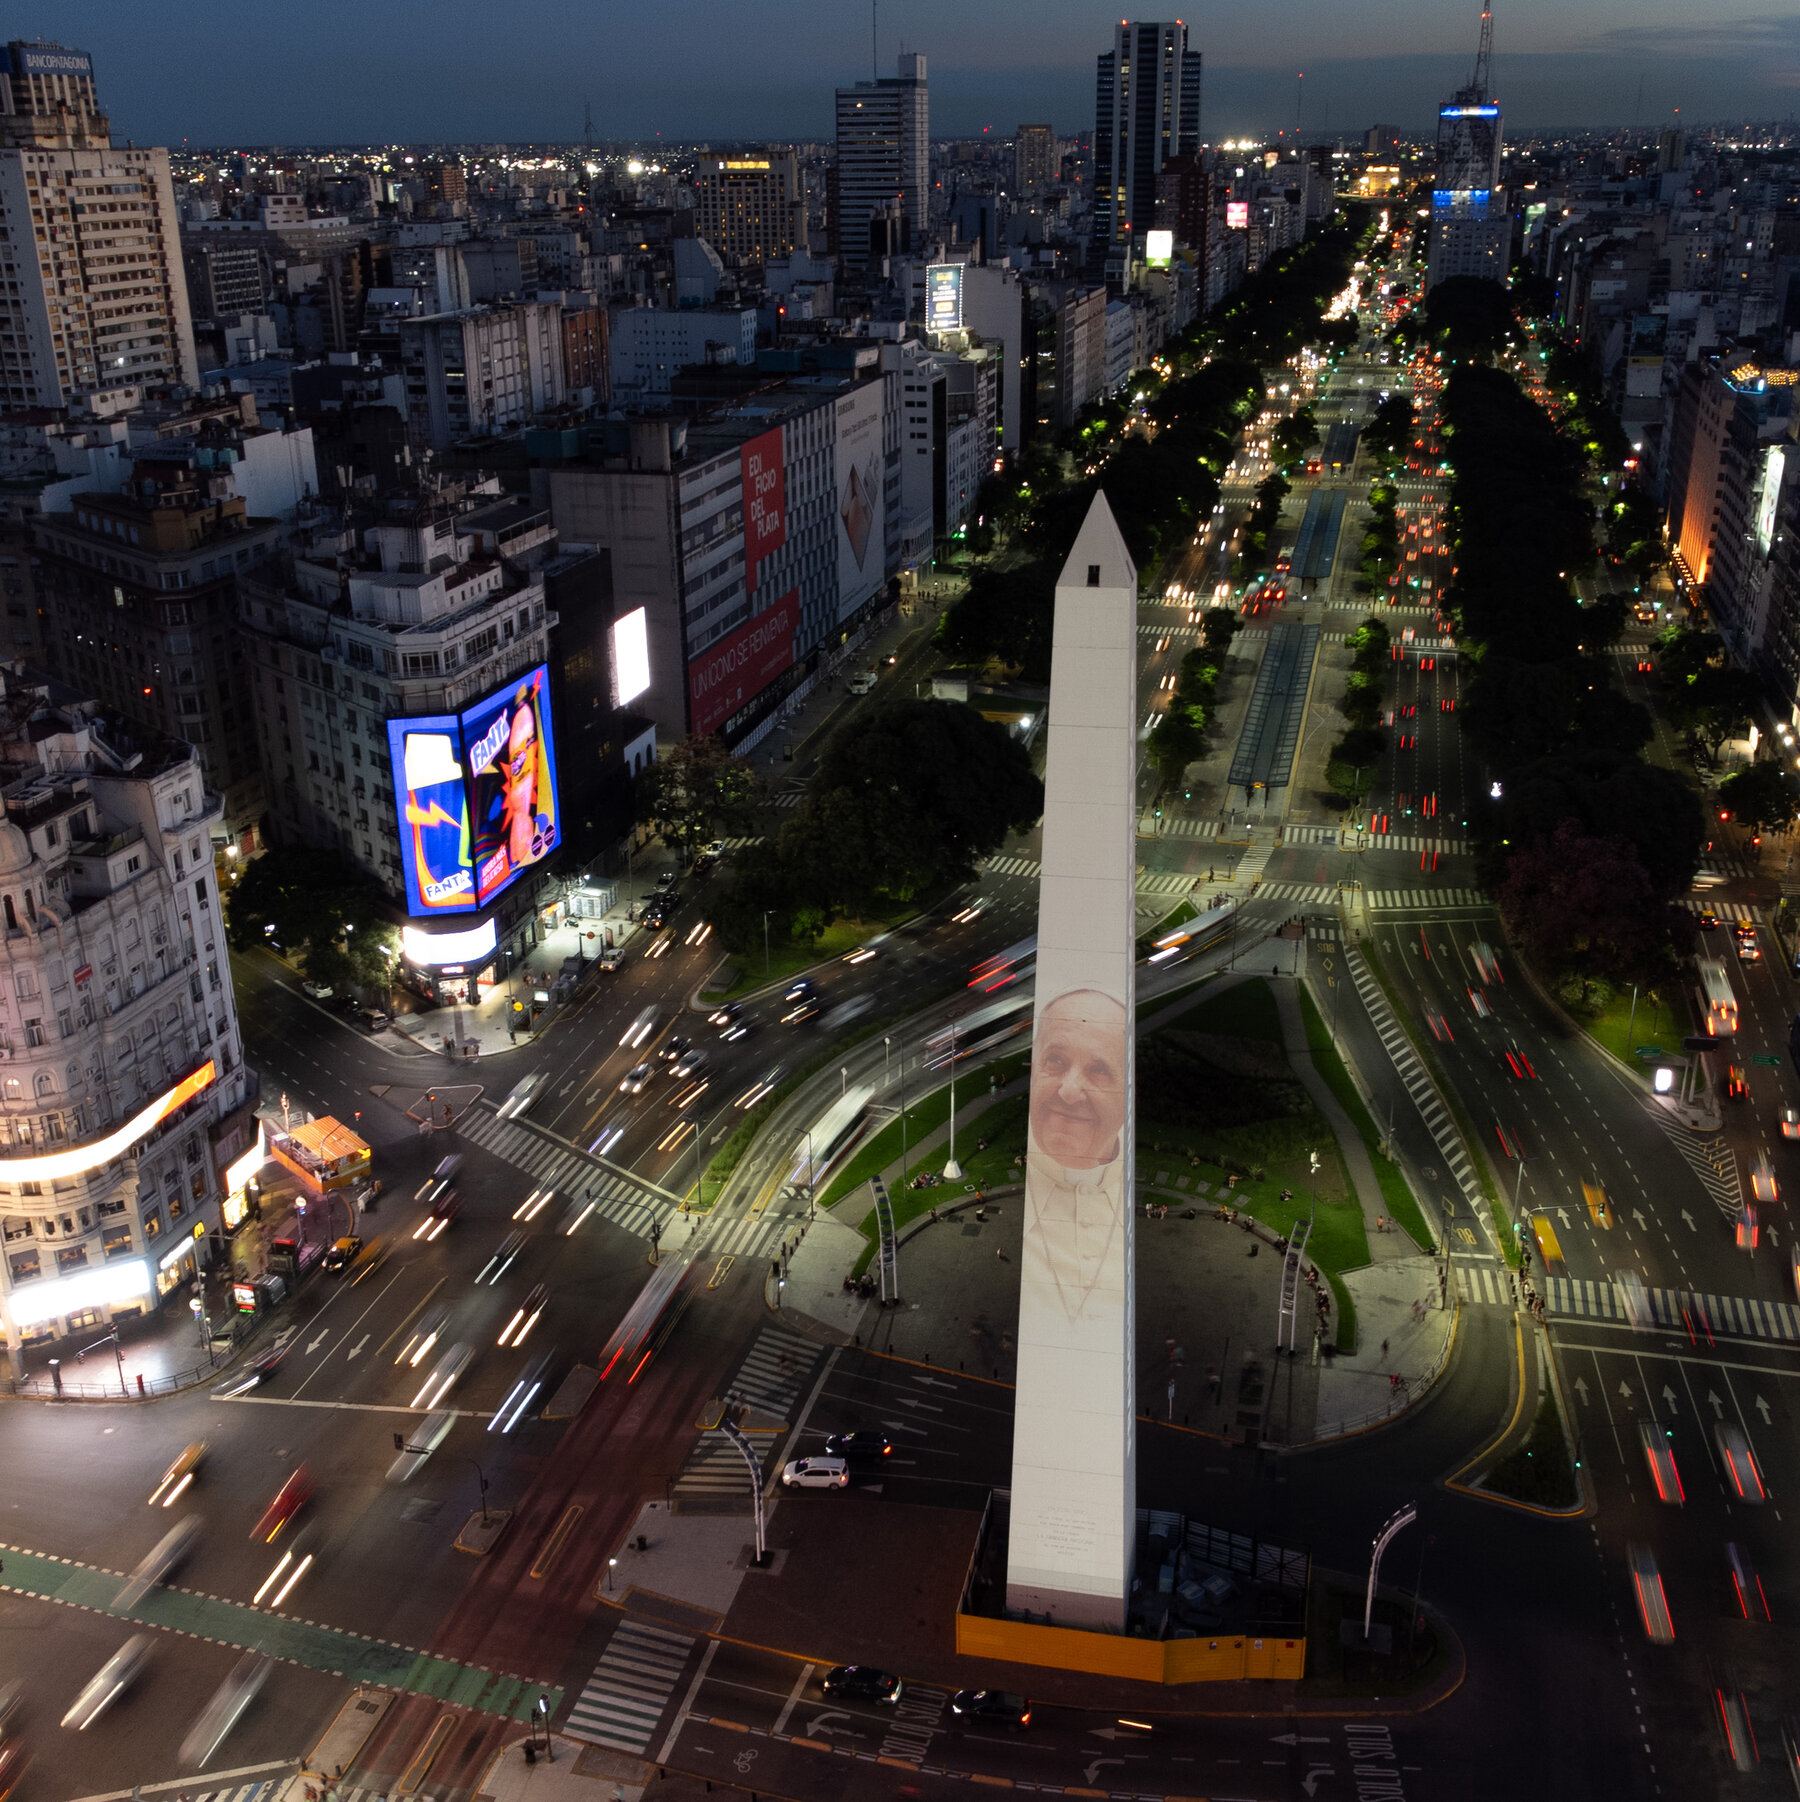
(352, 77)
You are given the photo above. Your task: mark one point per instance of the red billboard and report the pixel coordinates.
(765, 502)
(740, 666)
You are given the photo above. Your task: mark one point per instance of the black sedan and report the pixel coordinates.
(252, 1375)
(992, 1705)
(861, 1683)
(861, 1443)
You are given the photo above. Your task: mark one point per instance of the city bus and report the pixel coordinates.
(835, 1132)
(1716, 991)
(980, 1031)
(649, 1320)
(1005, 967)
(1201, 933)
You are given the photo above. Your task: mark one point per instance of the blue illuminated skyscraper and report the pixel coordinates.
(1471, 227)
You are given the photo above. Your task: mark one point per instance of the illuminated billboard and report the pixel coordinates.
(47, 1166)
(630, 657)
(943, 297)
(1237, 215)
(738, 667)
(764, 466)
(1159, 249)
(476, 796)
(443, 950)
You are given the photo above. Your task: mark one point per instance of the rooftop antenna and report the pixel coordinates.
(1484, 56)
(587, 124)
(874, 40)
(1299, 97)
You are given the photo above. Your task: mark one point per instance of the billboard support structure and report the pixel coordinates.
(889, 1253)
(1072, 1531)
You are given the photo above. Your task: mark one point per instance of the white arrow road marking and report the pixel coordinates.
(1625, 1390)
(356, 1348)
(817, 1725)
(1669, 1397)
(1717, 1406)
(1581, 1390)
(313, 1345)
(1762, 1408)
(1637, 1214)
(1310, 1782)
(1300, 1739)
(1093, 1770)
(1692, 1228)
(1562, 1214)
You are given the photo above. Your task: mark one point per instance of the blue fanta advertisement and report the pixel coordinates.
(511, 766)
(476, 796)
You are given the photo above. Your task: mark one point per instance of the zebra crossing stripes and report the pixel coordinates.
(748, 1237)
(1388, 899)
(262, 1792)
(1724, 910)
(1484, 1283)
(772, 1372)
(1012, 866)
(557, 1166)
(715, 1479)
(1373, 841)
(1413, 1074)
(630, 1687)
(1681, 1310)
(792, 798)
(1149, 882)
(1181, 829)
(1715, 1163)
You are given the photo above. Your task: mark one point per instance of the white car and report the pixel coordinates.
(1790, 1123)
(636, 1079)
(816, 1473)
(320, 991)
(1762, 1179)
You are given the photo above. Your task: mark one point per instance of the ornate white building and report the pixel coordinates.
(124, 1101)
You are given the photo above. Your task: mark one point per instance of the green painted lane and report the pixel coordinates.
(348, 1655)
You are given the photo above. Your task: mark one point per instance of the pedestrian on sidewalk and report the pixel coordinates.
(1384, 1346)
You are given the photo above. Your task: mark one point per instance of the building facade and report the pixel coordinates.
(92, 292)
(1034, 159)
(481, 371)
(1146, 110)
(751, 209)
(1471, 226)
(126, 1113)
(139, 597)
(883, 161)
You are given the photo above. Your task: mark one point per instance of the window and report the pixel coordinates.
(34, 1035)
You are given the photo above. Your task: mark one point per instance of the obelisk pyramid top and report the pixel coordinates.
(1099, 558)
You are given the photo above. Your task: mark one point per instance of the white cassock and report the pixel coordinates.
(1071, 1275)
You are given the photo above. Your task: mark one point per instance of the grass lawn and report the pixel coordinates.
(1539, 1470)
(1651, 1022)
(789, 957)
(1246, 1011)
(1401, 1203)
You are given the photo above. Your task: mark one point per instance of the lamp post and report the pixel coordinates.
(952, 1170)
(765, 946)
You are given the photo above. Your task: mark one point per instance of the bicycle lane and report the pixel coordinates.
(367, 1661)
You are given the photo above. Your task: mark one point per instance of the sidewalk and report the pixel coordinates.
(487, 1023)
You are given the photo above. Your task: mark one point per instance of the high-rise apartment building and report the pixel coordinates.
(126, 1109)
(91, 288)
(883, 158)
(1471, 228)
(751, 209)
(1146, 110)
(1034, 159)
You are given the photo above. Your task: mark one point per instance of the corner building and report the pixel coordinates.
(126, 1112)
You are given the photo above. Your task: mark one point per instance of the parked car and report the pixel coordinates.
(862, 1442)
(372, 1019)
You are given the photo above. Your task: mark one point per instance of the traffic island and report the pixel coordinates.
(481, 1533)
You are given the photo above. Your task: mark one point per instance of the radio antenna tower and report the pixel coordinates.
(1484, 56)
(587, 124)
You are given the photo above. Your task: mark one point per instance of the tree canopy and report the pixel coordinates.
(696, 790)
(314, 904)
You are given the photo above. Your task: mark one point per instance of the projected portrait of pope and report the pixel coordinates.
(1075, 1160)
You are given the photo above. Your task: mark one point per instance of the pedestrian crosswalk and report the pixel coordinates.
(1149, 882)
(1427, 899)
(1680, 1310)
(1714, 1162)
(770, 1377)
(1414, 1075)
(263, 1792)
(1724, 910)
(631, 1686)
(752, 1235)
(551, 1164)
(1350, 839)
(770, 1380)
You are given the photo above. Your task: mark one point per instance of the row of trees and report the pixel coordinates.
(1586, 845)
(907, 799)
(1350, 770)
(314, 906)
(1179, 737)
(1162, 483)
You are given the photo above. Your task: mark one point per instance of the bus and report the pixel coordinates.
(980, 1031)
(1721, 1003)
(836, 1130)
(649, 1320)
(1201, 933)
(1005, 967)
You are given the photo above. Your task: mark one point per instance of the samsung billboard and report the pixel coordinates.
(476, 796)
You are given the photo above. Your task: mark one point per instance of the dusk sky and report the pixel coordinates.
(343, 71)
